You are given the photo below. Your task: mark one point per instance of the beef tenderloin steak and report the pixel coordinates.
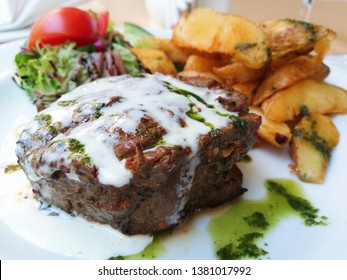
(139, 153)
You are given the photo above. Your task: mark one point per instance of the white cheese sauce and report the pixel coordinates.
(138, 96)
(57, 231)
(100, 148)
(52, 229)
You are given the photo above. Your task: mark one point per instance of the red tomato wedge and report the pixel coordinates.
(61, 25)
(102, 22)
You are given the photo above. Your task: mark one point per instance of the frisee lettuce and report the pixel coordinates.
(130, 61)
(51, 71)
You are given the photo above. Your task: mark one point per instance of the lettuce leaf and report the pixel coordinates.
(50, 71)
(130, 61)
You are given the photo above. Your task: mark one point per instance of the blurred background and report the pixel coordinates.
(330, 13)
(164, 13)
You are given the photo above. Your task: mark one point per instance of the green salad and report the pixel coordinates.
(46, 69)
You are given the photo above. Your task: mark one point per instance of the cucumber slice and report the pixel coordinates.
(133, 32)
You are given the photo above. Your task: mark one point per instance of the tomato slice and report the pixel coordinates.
(102, 22)
(61, 25)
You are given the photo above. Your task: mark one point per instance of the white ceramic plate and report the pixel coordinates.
(290, 239)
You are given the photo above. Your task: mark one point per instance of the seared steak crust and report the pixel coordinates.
(167, 183)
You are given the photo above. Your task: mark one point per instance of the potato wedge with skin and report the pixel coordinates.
(209, 31)
(321, 49)
(279, 59)
(275, 133)
(297, 69)
(176, 54)
(289, 35)
(238, 72)
(314, 137)
(155, 60)
(311, 95)
(202, 64)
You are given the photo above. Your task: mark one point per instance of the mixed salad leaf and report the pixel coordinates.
(48, 70)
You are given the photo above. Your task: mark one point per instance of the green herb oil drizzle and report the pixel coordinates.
(45, 120)
(10, 168)
(152, 251)
(241, 124)
(237, 232)
(77, 150)
(316, 140)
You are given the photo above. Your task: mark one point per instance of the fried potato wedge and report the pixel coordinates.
(309, 96)
(206, 75)
(155, 60)
(313, 140)
(289, 35)
(202, 64)
(321, 49)
(176, 54)
(302, 67)
(209, 31)
(238, 72)
(275, 133)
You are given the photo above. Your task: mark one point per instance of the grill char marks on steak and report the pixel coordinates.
(148, 133)
(234, 102)
(175, 166)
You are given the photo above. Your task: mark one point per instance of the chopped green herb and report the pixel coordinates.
(316, 140)
(236, 231)
(152, 251)
(246, 158)
(98, 107)
(241, 124)
(12, 168)
(306, 25)
(43, 119)
(77, 150)
(299, 204)
(196, 116)
(304, 110)
(76, 146)
(187, 94)
(246, 247)
(160, 141)
(216, 133)
(257, 219)
(117, 258)
(245, 46)
(98, 114)
(46, 121)
(67, 103)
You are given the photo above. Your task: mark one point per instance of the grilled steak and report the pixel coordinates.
(138, 153)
